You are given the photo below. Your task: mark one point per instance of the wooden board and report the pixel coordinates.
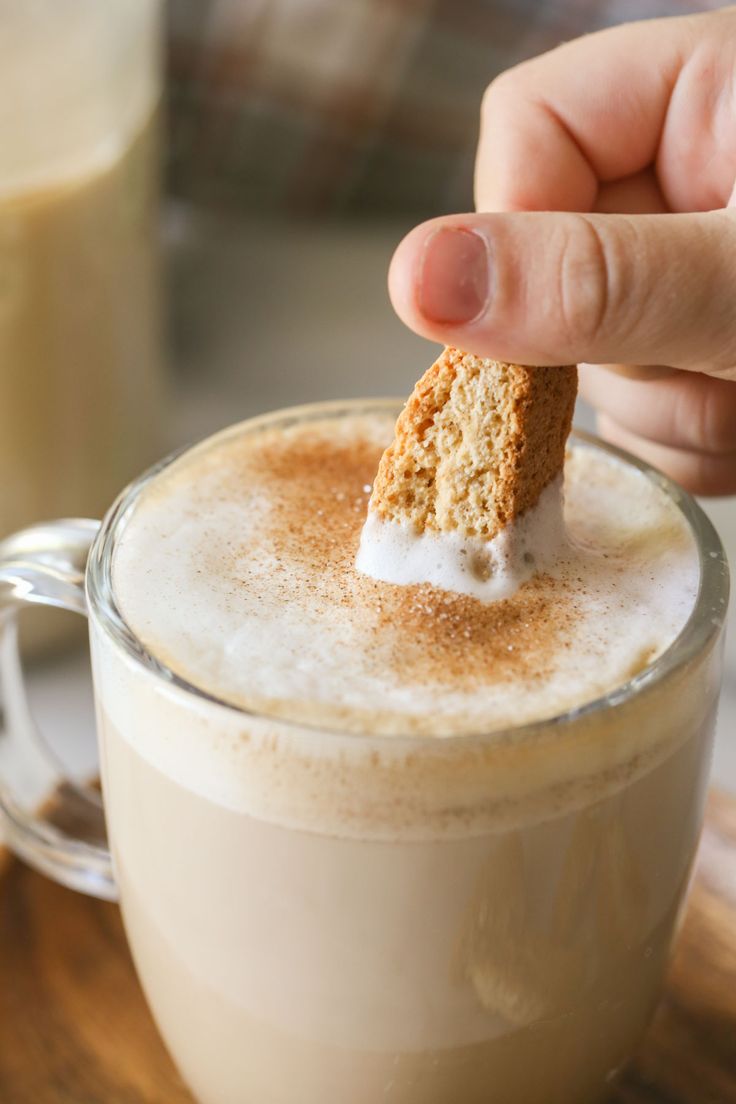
(74, 1028)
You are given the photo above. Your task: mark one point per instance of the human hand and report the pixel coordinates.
(614, 160)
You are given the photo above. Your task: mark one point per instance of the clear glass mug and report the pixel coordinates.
(81, 357)
(319, 917)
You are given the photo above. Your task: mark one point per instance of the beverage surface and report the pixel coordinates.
(237, 571)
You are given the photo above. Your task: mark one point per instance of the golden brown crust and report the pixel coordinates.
(475, 445)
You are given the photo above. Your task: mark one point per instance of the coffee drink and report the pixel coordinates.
(79, 334)
(238, 571)
(359, 859)
(80, 349)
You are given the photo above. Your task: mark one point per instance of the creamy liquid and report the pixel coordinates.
(80, 350)
(487, 569)
(321, 918)
(238, 569)
(518, 967)
(80, 366)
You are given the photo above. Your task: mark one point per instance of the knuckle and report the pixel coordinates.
(592, 291)
(708, 418)
(502, 88)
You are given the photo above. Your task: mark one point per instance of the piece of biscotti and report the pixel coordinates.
(475, 445)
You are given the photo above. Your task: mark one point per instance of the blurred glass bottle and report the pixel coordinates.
(80, 333)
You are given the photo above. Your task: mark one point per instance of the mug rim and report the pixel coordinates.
(704, 623)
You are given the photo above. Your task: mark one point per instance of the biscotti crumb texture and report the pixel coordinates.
(475, 445)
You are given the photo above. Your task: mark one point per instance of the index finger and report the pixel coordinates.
(591, 111)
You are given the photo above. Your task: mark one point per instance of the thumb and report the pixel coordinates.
(557, 288)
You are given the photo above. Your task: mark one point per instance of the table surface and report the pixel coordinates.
(268, 315)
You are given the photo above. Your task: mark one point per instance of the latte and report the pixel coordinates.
(357, 860)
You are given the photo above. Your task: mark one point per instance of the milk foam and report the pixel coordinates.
(235, 567)
(237, 570)
(485, 569)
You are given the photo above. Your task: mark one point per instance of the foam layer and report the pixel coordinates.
(489, 570)
(237, 570)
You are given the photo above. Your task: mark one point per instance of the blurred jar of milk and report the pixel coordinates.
(80, 335)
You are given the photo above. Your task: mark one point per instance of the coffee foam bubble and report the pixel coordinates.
(488, 570)
(236, 569)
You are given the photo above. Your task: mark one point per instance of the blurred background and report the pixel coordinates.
(307, 136)
(198, 203)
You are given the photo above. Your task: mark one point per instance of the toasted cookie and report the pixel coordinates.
(475, 445)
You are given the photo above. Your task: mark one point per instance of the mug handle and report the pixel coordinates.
(66, 840)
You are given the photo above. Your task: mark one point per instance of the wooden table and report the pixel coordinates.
(74, 1028)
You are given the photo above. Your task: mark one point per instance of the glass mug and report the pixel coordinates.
(309, 924)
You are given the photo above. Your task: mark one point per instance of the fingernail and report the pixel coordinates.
(454, 276)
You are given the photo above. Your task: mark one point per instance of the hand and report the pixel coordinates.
(614, 158)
